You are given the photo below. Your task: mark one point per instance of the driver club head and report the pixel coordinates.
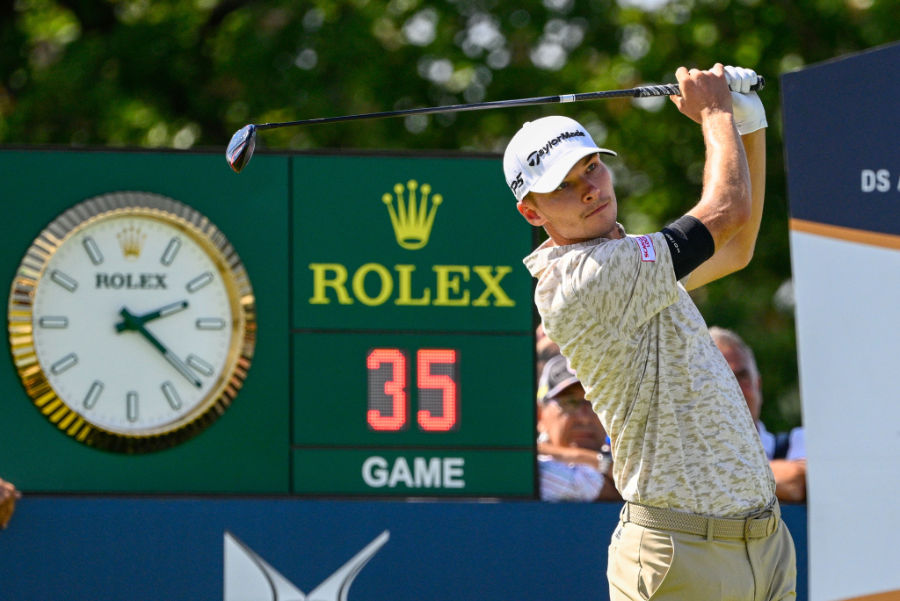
(241, 147)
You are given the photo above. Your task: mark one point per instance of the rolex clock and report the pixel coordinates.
(131, 322)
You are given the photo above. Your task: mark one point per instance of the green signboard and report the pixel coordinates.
(409, 244)
(414, 473)
(380, 318)
(412, 320)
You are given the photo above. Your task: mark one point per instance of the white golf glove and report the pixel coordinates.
(749, 114)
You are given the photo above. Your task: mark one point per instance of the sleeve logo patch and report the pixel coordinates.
(648, 252)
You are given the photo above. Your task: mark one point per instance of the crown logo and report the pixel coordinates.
(412, 218)
(131, 239)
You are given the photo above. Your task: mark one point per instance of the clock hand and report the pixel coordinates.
(164, 311)
(133, 322)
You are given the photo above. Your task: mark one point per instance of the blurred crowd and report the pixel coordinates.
(574, 459)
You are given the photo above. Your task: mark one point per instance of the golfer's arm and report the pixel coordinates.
(736, 239)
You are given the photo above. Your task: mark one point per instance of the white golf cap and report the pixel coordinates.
(543, 151)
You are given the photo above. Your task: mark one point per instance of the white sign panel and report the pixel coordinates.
(841, 132)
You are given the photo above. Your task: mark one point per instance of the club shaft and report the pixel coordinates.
(242, 143)
(639, 92)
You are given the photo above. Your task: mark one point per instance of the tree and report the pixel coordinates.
(175, 74)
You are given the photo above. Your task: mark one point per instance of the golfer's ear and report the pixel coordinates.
(530, 215)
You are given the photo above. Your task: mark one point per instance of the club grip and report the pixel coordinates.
(759, 85)
(669, 89)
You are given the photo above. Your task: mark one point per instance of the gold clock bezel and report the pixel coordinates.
(21, 320)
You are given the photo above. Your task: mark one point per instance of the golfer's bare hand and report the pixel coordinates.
(702, 92)
(8, 497)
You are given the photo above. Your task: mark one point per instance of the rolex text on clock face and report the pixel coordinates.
(140, 323)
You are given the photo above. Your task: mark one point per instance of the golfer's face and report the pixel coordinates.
(583, 207)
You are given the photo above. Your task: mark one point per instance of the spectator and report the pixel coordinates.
(8, 497)
(573, 455)
(786, 450)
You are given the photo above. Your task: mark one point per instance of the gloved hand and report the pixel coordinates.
(749, 114)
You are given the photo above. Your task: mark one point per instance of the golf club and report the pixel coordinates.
(243, 142)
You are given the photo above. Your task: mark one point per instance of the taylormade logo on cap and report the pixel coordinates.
(541, 154)
(534, 157)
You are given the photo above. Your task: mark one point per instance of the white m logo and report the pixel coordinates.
(249, 578)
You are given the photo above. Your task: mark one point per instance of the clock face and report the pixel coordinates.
(131, 322)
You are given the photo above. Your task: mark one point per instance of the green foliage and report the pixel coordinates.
(180, 74)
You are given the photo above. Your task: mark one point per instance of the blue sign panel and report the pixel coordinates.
(841, 128)
(132, 549)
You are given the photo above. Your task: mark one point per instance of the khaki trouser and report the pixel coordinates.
(739, 560)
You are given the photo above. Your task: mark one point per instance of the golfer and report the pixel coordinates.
(700, 520)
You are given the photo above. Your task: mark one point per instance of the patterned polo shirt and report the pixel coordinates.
(682, 436)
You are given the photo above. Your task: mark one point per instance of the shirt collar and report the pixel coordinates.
(541, 257)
